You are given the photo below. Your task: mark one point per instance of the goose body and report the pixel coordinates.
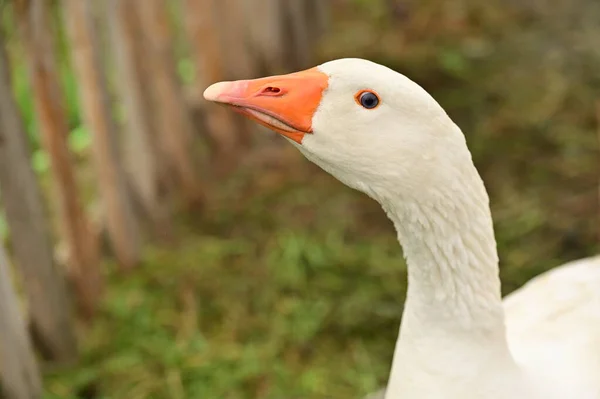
(382, 134)
(553, 328)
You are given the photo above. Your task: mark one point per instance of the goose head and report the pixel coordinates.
(369, 126)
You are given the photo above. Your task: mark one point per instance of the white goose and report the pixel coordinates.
(382, 134)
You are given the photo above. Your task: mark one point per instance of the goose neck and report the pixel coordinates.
(449, 245)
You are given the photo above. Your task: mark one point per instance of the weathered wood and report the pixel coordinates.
(267, 33)
(45, 288)
(175, 127)
(320, 14)
(239, 61)
(284, 34)
(298, 19)
(81, 242)
(19, 372)
(145, 166)
(203, 27)
(121, 223)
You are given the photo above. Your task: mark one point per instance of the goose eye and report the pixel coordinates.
(367, 99)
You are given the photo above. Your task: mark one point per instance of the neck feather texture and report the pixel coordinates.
(453, 321)
(450, 248)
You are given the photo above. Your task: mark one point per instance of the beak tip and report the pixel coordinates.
(214, 91)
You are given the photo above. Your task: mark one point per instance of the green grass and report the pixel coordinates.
(294, 292)
(252, 310)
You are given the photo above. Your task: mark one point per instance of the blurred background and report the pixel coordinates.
(156, 246)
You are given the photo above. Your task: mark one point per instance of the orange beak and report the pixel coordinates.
(285, 104)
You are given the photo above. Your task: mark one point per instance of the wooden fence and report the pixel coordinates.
(159, 154)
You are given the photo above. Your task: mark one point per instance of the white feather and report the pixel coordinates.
(553, 327)
(458, 338)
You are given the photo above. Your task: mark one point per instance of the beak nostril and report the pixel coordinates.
(270, 90)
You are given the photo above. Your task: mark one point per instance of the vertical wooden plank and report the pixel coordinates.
(143, 163)
(80, 239)
(175, 123)
(122, 225)
(202, 25)
(321, 15)
(44, 284)
(267, 31)
(19, 372)
(240, 62)
(297, 17)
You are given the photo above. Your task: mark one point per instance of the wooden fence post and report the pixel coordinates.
(175, 123)
(144, 164)
(82, 243)
(202, 26)
(240, 62)
(19, 372)
(299, 22)
(320, 15)
(121, 222)
(267, 31)
(44, 285)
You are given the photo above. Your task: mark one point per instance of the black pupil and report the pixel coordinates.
(369, 100)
